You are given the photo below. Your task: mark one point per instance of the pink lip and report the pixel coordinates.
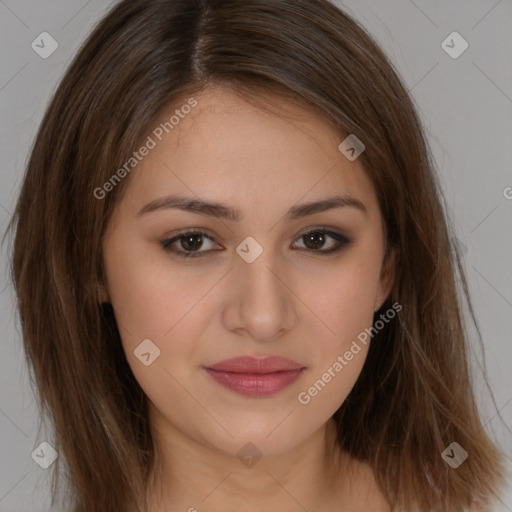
(253, 376)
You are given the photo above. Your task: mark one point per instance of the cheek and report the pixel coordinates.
(343, 297)
(329, 384)
(346, 313)
(155, 301)
(149, 293)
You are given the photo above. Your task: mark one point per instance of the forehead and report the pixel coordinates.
(237, 148)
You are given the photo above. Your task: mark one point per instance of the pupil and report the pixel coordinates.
(311, 238)
(187, 242)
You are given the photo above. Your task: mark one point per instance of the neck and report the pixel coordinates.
(193, 475)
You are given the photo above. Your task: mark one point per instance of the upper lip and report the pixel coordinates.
(248, 364)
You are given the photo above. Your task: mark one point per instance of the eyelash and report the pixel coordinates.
(341, 239)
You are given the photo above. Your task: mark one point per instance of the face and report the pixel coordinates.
(285, 287)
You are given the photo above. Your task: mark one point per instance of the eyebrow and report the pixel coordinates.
(221, 211)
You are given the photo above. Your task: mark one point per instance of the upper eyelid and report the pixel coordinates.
(200, 231)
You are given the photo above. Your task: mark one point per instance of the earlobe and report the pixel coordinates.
(387, 278)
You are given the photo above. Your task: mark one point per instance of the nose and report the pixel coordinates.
(262, 305)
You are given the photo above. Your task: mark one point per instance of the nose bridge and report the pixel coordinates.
(264, 304)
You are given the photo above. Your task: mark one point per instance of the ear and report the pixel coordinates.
(387, 278)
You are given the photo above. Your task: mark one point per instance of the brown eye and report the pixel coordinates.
(190, 242)
(316, 239)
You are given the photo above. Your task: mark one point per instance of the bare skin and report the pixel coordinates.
(290, 301)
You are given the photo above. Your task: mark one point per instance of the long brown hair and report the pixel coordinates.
(414, 396)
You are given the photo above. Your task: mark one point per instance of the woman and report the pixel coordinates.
(234, 272)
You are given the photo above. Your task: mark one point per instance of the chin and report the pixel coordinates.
(264, 437)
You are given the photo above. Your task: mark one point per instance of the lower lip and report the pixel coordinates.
(251, 384)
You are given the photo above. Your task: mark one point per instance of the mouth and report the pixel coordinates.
(251, 376)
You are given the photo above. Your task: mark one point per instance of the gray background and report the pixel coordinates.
(465, 104)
